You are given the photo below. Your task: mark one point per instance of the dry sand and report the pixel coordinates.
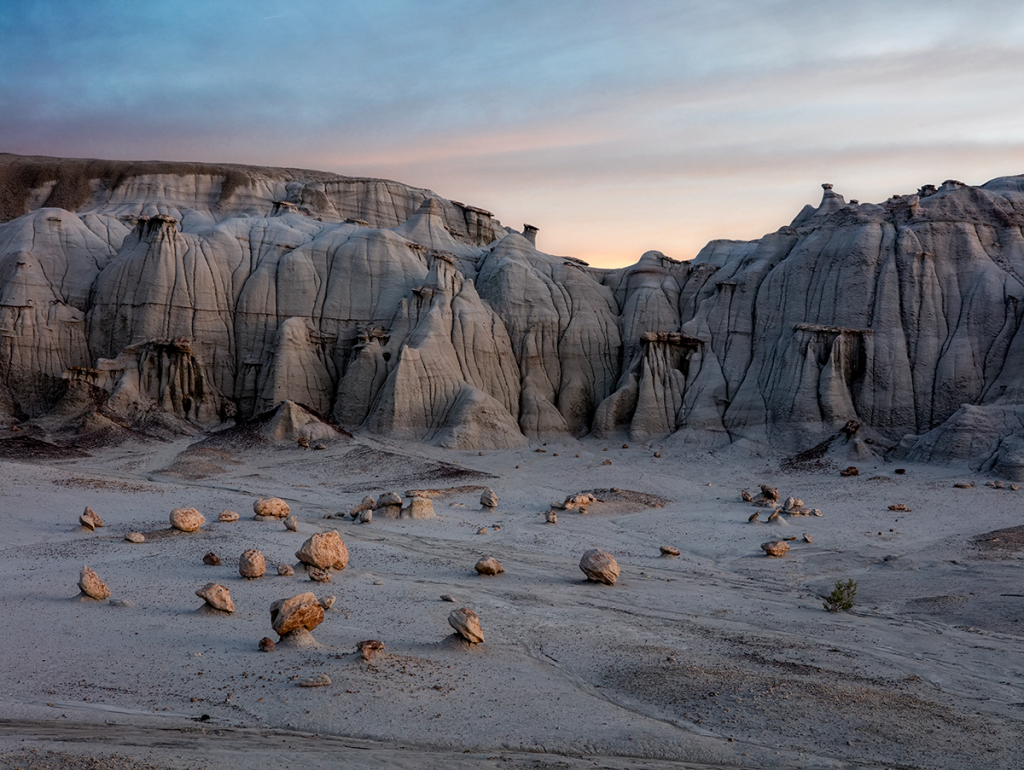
(721, 657)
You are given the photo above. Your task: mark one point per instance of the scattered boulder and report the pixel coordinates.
(267, 644)
(419, 508)
(285, 570)
(389, 505)
(769, 496)
(365, 517)
(467, 624)
(600, 567)
(488, 499)
(91, 585)
(135, 537)
(816, 512)
(552, 517)
(318, 575)
(447, 598)
(851, 471)
(271, 507)
(753, 517)
(90, 520)
(747, 497)
(327, 602)
(578, 502)
(366, 505)
(369, 648)
(228, 516)
(251, 564)
(775, 548)
(320, 680)
(668, 550)
(794, 506)
(211, 559)
(216, 596)
(292, 523)
(808, 538)
(187, 519)
(324, 550)
(300, 611)
(489, 566)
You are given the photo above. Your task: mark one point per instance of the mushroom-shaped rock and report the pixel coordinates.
(91, 584)
(271, 506)
(292, 523)
(228, 516)
(187, 519)
(366, 505)
(600, 567)
(467, 624)
(324, 550)
(369, 648)
(489, 566)
(90, 520)
(211, 559)
(135, 537)
(216, 596)
(389, 505)
(365, 517)
(251, 564)
(668, 550)
(419, 508)
(301, 611)
(488, 499)
(775, 548)
(388, 498)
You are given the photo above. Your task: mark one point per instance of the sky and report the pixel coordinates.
(614, 127)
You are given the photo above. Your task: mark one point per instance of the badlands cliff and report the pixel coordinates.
(163, 297)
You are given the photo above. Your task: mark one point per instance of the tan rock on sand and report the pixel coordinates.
(90, 520)
(369, 648)
(292, 523)
(389, 505)
(668, 550)
(187, 519)
(217, 596)
(228, 516)
(600, 567)
(488, 499)
(467, 624)
(251, 564)
(318, 680)
(325, 550)
(271, 506)
(775, 548)
(365, 517)
(551, 517)
(91, 584)
(211, 559)
(285, 570)
(318, 575)
(135, 537)
(300, 611)
(489, 566)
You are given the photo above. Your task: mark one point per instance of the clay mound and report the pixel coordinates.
(290, 422)
(1000, 543)
(28, 449)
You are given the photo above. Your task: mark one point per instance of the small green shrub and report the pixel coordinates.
(841, 598)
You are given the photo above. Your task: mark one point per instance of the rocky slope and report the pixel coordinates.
(178, 296)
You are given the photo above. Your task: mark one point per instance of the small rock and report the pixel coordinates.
(212, 559)
(851, 471)
(488, 499)
(366, 505)
(320, 447)
(320, 680)
(301, 611)
(816, 512)
(667, 550)
(447, 598)
(657, 454)
(747, 497)
(489, 566)
(607, 462)
(625, 446)
(808, 538)
(369, 648)
(600, 567)
(482, 531)
(419, 508)
(551, 517)
(774, 518)
(285, 570)
(228, 516)
(90, 520)
(303, 442)
(365, 517)
(467, 624)
(318, 575)
(266, 644)
(324, 550)
(216, 596)
(135, 537)
(292, 523)
(1015, 487)
(792, 503)
(538, 449)
(121, 603)
(900, 471)
(790, 538)
(753, 517)
(389, 505)
(327, 602)
(91, 584)
(899, 507)
(964, 484)
(251, 564)
(389, 498)
(271, 507)
(775, 548)
(187, 519)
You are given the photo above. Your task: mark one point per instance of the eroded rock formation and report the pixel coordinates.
(173, 297)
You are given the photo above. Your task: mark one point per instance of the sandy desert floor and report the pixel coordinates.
(721, 657)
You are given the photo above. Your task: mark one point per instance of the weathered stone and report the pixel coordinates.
(369, 648)
(964, 484)
(488, 499)
(769, 496)
(292, 523)
(217, 596)
(489, 566)
(285, 570)
(419, 508)
(266, 644)
(482, 531)
(228, 516)
(467, 624)
(600, 567)
(300, 611)
(187, 519)
(808, 538)
(318, 575)
(90, 520)
(668, 550)
(251, 564)
(366, 505)
(579, 502)
(91, 585)
(135, 537)
(775, 548)
(551, 517)
(747, 497)
(365, 517)
(324, 550)
(327, 602)
(271, 506)
(388, 498)
(211, 559)
(753, 517)
(791, 503)
(389, 506)
(319, 680)
(447, 598)
(851, 471)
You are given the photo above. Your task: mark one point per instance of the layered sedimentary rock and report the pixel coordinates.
(185, 295)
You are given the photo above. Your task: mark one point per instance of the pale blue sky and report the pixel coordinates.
(615, 127)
